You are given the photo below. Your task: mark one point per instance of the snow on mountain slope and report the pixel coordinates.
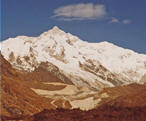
(96, 65)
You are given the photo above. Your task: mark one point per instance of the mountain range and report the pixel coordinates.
(59, 70)
(95, 65)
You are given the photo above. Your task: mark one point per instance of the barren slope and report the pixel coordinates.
(125, 104)
(17, 97)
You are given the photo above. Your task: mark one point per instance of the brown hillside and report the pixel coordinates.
(126, 96)
(121, 106)
(16, 97)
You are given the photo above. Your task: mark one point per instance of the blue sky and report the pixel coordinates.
(122, 22)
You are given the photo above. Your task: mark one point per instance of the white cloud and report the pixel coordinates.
(114, 20)
(80, 11)
(69, 19)
(126, 21)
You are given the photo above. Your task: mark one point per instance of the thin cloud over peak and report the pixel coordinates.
(80, 11)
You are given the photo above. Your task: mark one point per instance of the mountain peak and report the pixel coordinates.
(56, 29)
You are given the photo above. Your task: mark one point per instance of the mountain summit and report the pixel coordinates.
(55, 28)
(95, 65)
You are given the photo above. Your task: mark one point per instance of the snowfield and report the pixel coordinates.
(96, 65)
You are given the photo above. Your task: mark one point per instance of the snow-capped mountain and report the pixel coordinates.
(96, 65)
